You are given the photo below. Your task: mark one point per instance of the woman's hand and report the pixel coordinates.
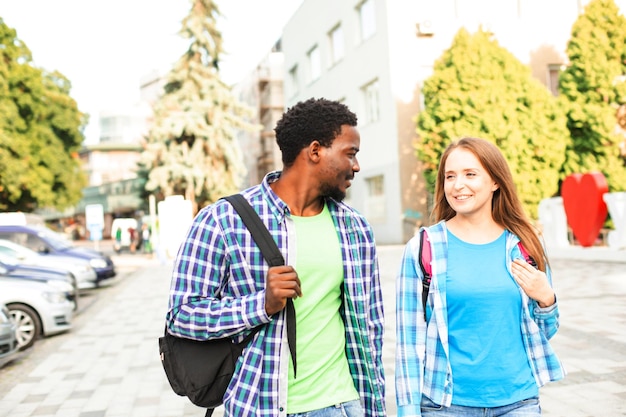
(534, 283)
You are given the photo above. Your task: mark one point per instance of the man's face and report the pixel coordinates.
(339, 163)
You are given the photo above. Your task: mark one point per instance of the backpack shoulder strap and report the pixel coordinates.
(526, 255)
(257, 229)
(272, 255)
(425, 258)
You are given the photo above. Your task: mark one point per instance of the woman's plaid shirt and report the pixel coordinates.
(422, 363)
(218, 290)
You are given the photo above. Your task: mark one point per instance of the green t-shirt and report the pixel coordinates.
(323, 374)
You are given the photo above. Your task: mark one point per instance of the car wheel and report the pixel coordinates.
(28, 324)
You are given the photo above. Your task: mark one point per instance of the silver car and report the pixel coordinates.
(84, 274)
(8, 337)
(39, 308)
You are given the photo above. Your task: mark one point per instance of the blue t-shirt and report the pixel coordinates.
(489, 365)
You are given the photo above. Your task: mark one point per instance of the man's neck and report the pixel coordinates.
(299, 193)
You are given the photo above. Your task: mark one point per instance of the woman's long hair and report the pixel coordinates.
(506, 207)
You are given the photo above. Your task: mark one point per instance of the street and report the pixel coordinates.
(108, 364)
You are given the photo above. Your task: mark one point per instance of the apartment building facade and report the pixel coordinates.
(262, 91)
(374, 56)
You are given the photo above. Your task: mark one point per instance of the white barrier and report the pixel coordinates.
(553, 222)
(616, 203)
(175, 217)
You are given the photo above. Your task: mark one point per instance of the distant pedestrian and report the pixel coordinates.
(489, 314)
(133, 239)
(117, 247)
(145, 237)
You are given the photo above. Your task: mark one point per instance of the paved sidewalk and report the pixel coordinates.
(108, 365)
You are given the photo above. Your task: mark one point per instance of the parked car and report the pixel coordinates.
(81, 270)
(8, 337)
(39, 308)
(11, 269)
(47, 242)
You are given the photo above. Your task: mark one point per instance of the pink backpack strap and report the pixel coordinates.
(425, 258)
(425, 255)
(526, 255)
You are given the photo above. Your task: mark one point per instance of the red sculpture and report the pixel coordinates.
(585, 208)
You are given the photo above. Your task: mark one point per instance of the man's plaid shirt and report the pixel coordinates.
(422, 363)
(218, 290)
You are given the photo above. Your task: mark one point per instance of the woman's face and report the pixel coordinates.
(468, 187)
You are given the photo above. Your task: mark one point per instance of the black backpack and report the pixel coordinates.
(202, 370)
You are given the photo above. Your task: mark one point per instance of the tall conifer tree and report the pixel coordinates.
(192, 149)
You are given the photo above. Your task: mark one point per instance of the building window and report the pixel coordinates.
(371, 102)
(336, 44)
(315, 63)
(553, 78)
(375, 200)
(293, 80)
(367, 19)
(375, 186)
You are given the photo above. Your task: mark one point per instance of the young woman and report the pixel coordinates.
(483, 349)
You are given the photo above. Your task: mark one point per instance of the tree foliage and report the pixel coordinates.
(192, 149)
(480, 89)
(40, 133)
(593, 86)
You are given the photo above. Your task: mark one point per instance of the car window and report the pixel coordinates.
(55, 240)
(19, 238)
(8, 251)
(12, 248)
(40, 240)
(8, 260)
(35, 243)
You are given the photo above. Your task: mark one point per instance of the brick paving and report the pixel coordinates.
(108, 365)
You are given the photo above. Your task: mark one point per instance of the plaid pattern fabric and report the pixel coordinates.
(422, 364)
(218, 290)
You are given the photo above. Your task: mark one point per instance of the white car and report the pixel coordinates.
(84, 274)
(39, 308)
(8, 337)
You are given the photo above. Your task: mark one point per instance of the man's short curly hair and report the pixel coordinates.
(310, 120)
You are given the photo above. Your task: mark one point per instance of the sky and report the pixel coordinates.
(105, 48)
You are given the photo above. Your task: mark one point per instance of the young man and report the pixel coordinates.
(222, 287)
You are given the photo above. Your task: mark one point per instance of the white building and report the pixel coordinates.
(262, 90)
(374, 55)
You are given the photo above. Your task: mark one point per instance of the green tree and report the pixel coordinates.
(592, 88)
(40, 133)
(192, 149)
(480, 89)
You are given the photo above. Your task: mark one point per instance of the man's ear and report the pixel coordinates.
(313, 151)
